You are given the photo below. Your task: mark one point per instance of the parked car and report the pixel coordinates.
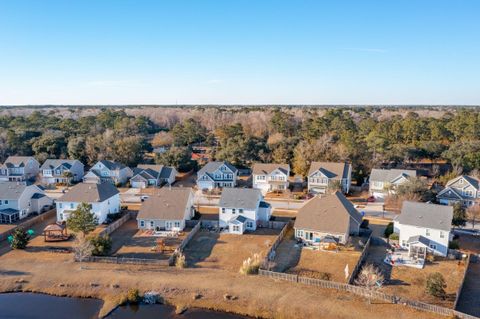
(371, 199)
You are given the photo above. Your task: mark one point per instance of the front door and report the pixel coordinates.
(308, 235)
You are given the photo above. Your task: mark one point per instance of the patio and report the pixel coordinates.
(404, 258)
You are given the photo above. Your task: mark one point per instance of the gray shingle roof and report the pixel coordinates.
(11, 190)
(112, 165)
(330, 169)
(264, 168)
(17, 160)
(426, 215)
(328, 213)
(168, 203)
(211, 167)
(89, 193)
(470, 179)
(388, 175)
(54, 163)
(245, 198)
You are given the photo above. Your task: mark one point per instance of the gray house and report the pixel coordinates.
(167, 209)
(217, 175)
(462, 189)
(18, 200)
(19, 169)
(384, 181)
(55, 171)
(323, 174)
(108, 171)
(145, 175)
(327, 217)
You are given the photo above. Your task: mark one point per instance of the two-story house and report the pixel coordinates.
(217, 175)
(61, 171)
(19, 169)
(104, 198)
(326, 218)
(241, 209)
(270, 177)
(424, 226)
(108, 171)
(18, 200)
(322, 176)
(463, 189)
(145, 175)
(383, 182)
(167, 209)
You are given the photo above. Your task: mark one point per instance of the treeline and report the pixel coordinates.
(108, 135)
(367, 137)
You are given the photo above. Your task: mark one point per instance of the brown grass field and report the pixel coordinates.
(227, 251)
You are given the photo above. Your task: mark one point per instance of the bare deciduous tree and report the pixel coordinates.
(371, 278)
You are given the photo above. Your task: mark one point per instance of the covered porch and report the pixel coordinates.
(9, 216)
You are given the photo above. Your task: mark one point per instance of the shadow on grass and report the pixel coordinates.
(200, 248)
(13, 273)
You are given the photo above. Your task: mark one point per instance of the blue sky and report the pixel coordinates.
(240, 52)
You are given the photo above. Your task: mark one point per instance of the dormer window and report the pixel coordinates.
(427, 232)
(461, 181)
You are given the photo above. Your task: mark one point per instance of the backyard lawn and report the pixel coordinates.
(227, 251)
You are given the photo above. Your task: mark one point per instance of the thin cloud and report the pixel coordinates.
(371, 50)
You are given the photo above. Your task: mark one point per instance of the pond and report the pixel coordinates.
(31, 306)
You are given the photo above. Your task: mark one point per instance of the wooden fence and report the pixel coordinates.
(116, 224)
(271, 252)
(271, 224)
(125, 260)
(29, 223)
(364, 292)
(184, 243)
(459, 291)
(360, 262)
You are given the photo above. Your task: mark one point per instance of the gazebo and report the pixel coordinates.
(56, 232)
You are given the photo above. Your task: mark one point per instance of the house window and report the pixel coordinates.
(223, 210)
(142, 223)
(61, 216)
(324, 180)
(71, 205)
(151, 223)
(233, 210)
(249, 224)
(0, 202)
(404, 242)
(6, 202)
(433, 246)
(299, 233)
(469, 193)
(240, 210)
(236, 228)
(177, 224)
(427, 232)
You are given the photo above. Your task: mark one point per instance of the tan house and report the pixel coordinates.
(167, 209)
(327, 217)
(270, 177)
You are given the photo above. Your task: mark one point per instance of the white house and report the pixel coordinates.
(462, 189)
(327, 217)
(242, 209)
(167, 209)
(425, 226)
(108, 171)
(383, 182)
(146, 175)
(19, 168)
(217, 175)
(55, 171)
(322, 174)
(104, 198)
(270, 177)
(17, 201)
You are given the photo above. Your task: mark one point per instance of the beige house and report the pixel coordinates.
(325, 217)
(270, 177)
(167, 209)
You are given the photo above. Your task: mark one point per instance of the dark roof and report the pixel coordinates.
(330, 169)
(388, 175)
(38, 195)
(167, 203)
(264, 168)
(264, 204)
(426, 215)
(246, 198)
(54, 163)
(9, 211)
(239, 218)
(211, 167)
(166, 172)
(327, 213)
(89, 193)
(419, 239)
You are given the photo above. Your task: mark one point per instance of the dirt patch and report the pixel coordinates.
(129, 241)
(227, 251)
